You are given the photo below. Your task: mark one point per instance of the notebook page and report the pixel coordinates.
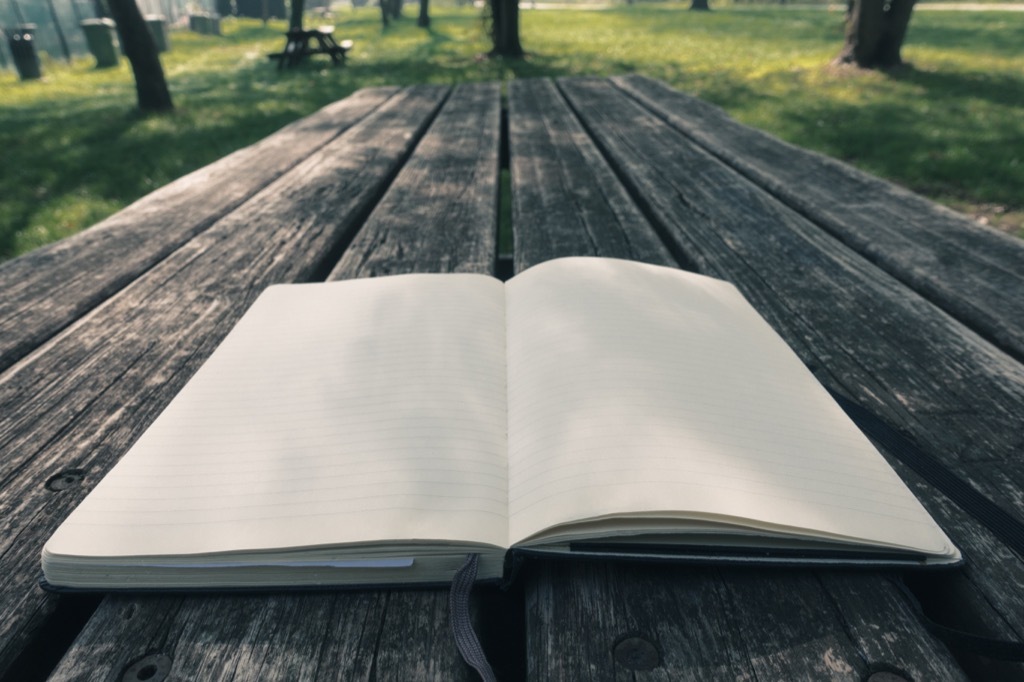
(647, 390)
(352, 411)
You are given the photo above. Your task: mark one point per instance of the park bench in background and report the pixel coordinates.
(889, 299)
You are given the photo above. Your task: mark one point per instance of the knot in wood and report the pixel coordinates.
(149, 668)
(65, 479)
(636, 653)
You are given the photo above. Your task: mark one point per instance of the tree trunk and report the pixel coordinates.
(140, 48)
(875, 30)
(505, 28)
(295, 23)
(390, 9)
(699, 5)
(424, 19)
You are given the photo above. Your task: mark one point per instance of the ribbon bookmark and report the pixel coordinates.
(466, 640)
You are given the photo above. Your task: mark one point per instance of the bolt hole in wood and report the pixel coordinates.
(636, 653)
(66, 479)
(149, 668)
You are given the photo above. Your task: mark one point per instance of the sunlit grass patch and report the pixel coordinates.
(62, 217)
(949, 125)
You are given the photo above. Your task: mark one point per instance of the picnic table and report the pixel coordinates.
(913, 311)
(299, 44)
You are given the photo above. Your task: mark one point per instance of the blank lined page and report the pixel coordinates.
(342, 412)
(648, 391)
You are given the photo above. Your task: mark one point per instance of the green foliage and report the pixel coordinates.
(75, 151)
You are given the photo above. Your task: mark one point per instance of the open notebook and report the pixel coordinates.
(376, 431)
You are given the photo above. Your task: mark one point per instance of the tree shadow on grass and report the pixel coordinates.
(977, 32)
(113, 157)
(954, 86)
(756, 26)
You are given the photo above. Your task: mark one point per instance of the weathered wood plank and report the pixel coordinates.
(860, 330)
(438, 214)
(659, 622)
(83, 398)
(50, 288)
(700, 623)
(972, 272)
(363, 635)
(339, 635)
(566, 200)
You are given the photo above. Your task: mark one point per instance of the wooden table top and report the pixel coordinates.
(912, 310)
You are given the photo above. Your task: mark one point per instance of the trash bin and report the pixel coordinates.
(101, 36)
(23, 49)
(157, 24)
(204, 23)
(214, 24)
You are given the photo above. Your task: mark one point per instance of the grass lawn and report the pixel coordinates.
(949, 126)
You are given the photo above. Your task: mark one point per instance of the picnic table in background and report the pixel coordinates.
(300, 44)
(911, 310)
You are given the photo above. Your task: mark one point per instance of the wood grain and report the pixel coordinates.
(438, 213)
(973, 272)
(566, 201)
(83, 398)
(49, 288)
(710, 624)
(702, 624)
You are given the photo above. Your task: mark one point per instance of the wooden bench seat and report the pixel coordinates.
(408, 180)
